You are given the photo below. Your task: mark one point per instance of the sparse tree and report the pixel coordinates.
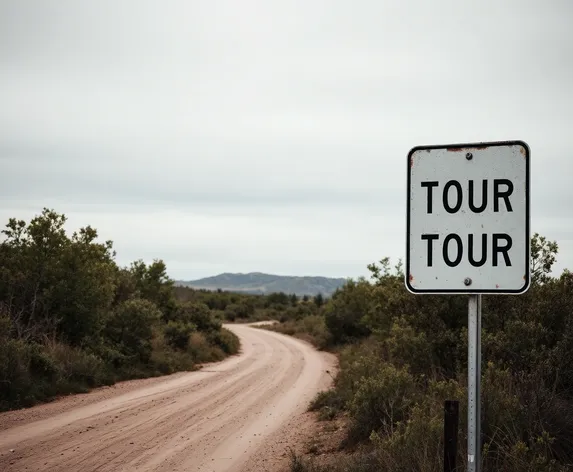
(293, 299)
(543, 256)
(318, 300)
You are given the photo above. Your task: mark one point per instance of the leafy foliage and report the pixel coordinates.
(402, 356)
(177, 334)
(130, 328)
(71, 319)
(51, 285)
(345, 315)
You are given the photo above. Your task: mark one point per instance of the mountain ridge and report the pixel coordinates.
(264, 283)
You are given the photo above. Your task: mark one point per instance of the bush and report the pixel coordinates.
(226, 340)
(328, 403)
(381, 401)
(311, 328)
(394, 381)
(104, 323)
(202, 350)
(407, 347)
(177, 334)
(345, 314)
(165, 359)
(16, 383)
(315, 327)
(230, 313)
(199, 315)
(32, 372)
(77, 368)
(130, 328)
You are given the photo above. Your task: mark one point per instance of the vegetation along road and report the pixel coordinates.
(230, 416)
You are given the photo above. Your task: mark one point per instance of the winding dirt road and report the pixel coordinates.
(231, 416)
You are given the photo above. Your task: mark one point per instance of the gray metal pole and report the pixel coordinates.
(474, 383)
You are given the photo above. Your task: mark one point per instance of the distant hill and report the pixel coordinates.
(259, 283)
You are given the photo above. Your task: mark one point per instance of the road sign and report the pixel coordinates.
(468, 218)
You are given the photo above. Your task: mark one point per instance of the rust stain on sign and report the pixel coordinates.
(411, 278)
(477, 148)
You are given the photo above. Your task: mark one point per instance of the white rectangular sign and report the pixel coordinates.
(468, 218)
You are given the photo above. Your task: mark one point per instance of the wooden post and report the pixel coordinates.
(451, 417)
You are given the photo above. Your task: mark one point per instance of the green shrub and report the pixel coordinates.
(394, 383)
(43, 364)
(357, 361)
(130, 328)
(346, 312)
(315, 327)
(165, 359)
(381, 401)
(177, 334)
(414, 444)
(405, 346)
(202, 350)
(226, 340)
(77, 368)
(104, 323)
(244, 309)
(32, 372)
(328, 404)
(199, 315)
(311, 328)
(16, 383)
(290, 314)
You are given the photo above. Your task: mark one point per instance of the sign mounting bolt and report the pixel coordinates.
(467, 281)
(469, 156)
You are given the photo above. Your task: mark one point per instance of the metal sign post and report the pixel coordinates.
(467, 232)
(474, 383)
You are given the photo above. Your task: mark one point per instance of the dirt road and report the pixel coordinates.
(230, 416)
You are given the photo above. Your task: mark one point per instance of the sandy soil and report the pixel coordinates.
(242, 414)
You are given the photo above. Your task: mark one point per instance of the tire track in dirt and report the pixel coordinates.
(211, 420)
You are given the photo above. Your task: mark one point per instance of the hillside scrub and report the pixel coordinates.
(234, 307)
(258, 283)
(71, 319)
(402, 356)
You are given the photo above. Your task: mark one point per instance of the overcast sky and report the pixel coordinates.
(242, 135)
